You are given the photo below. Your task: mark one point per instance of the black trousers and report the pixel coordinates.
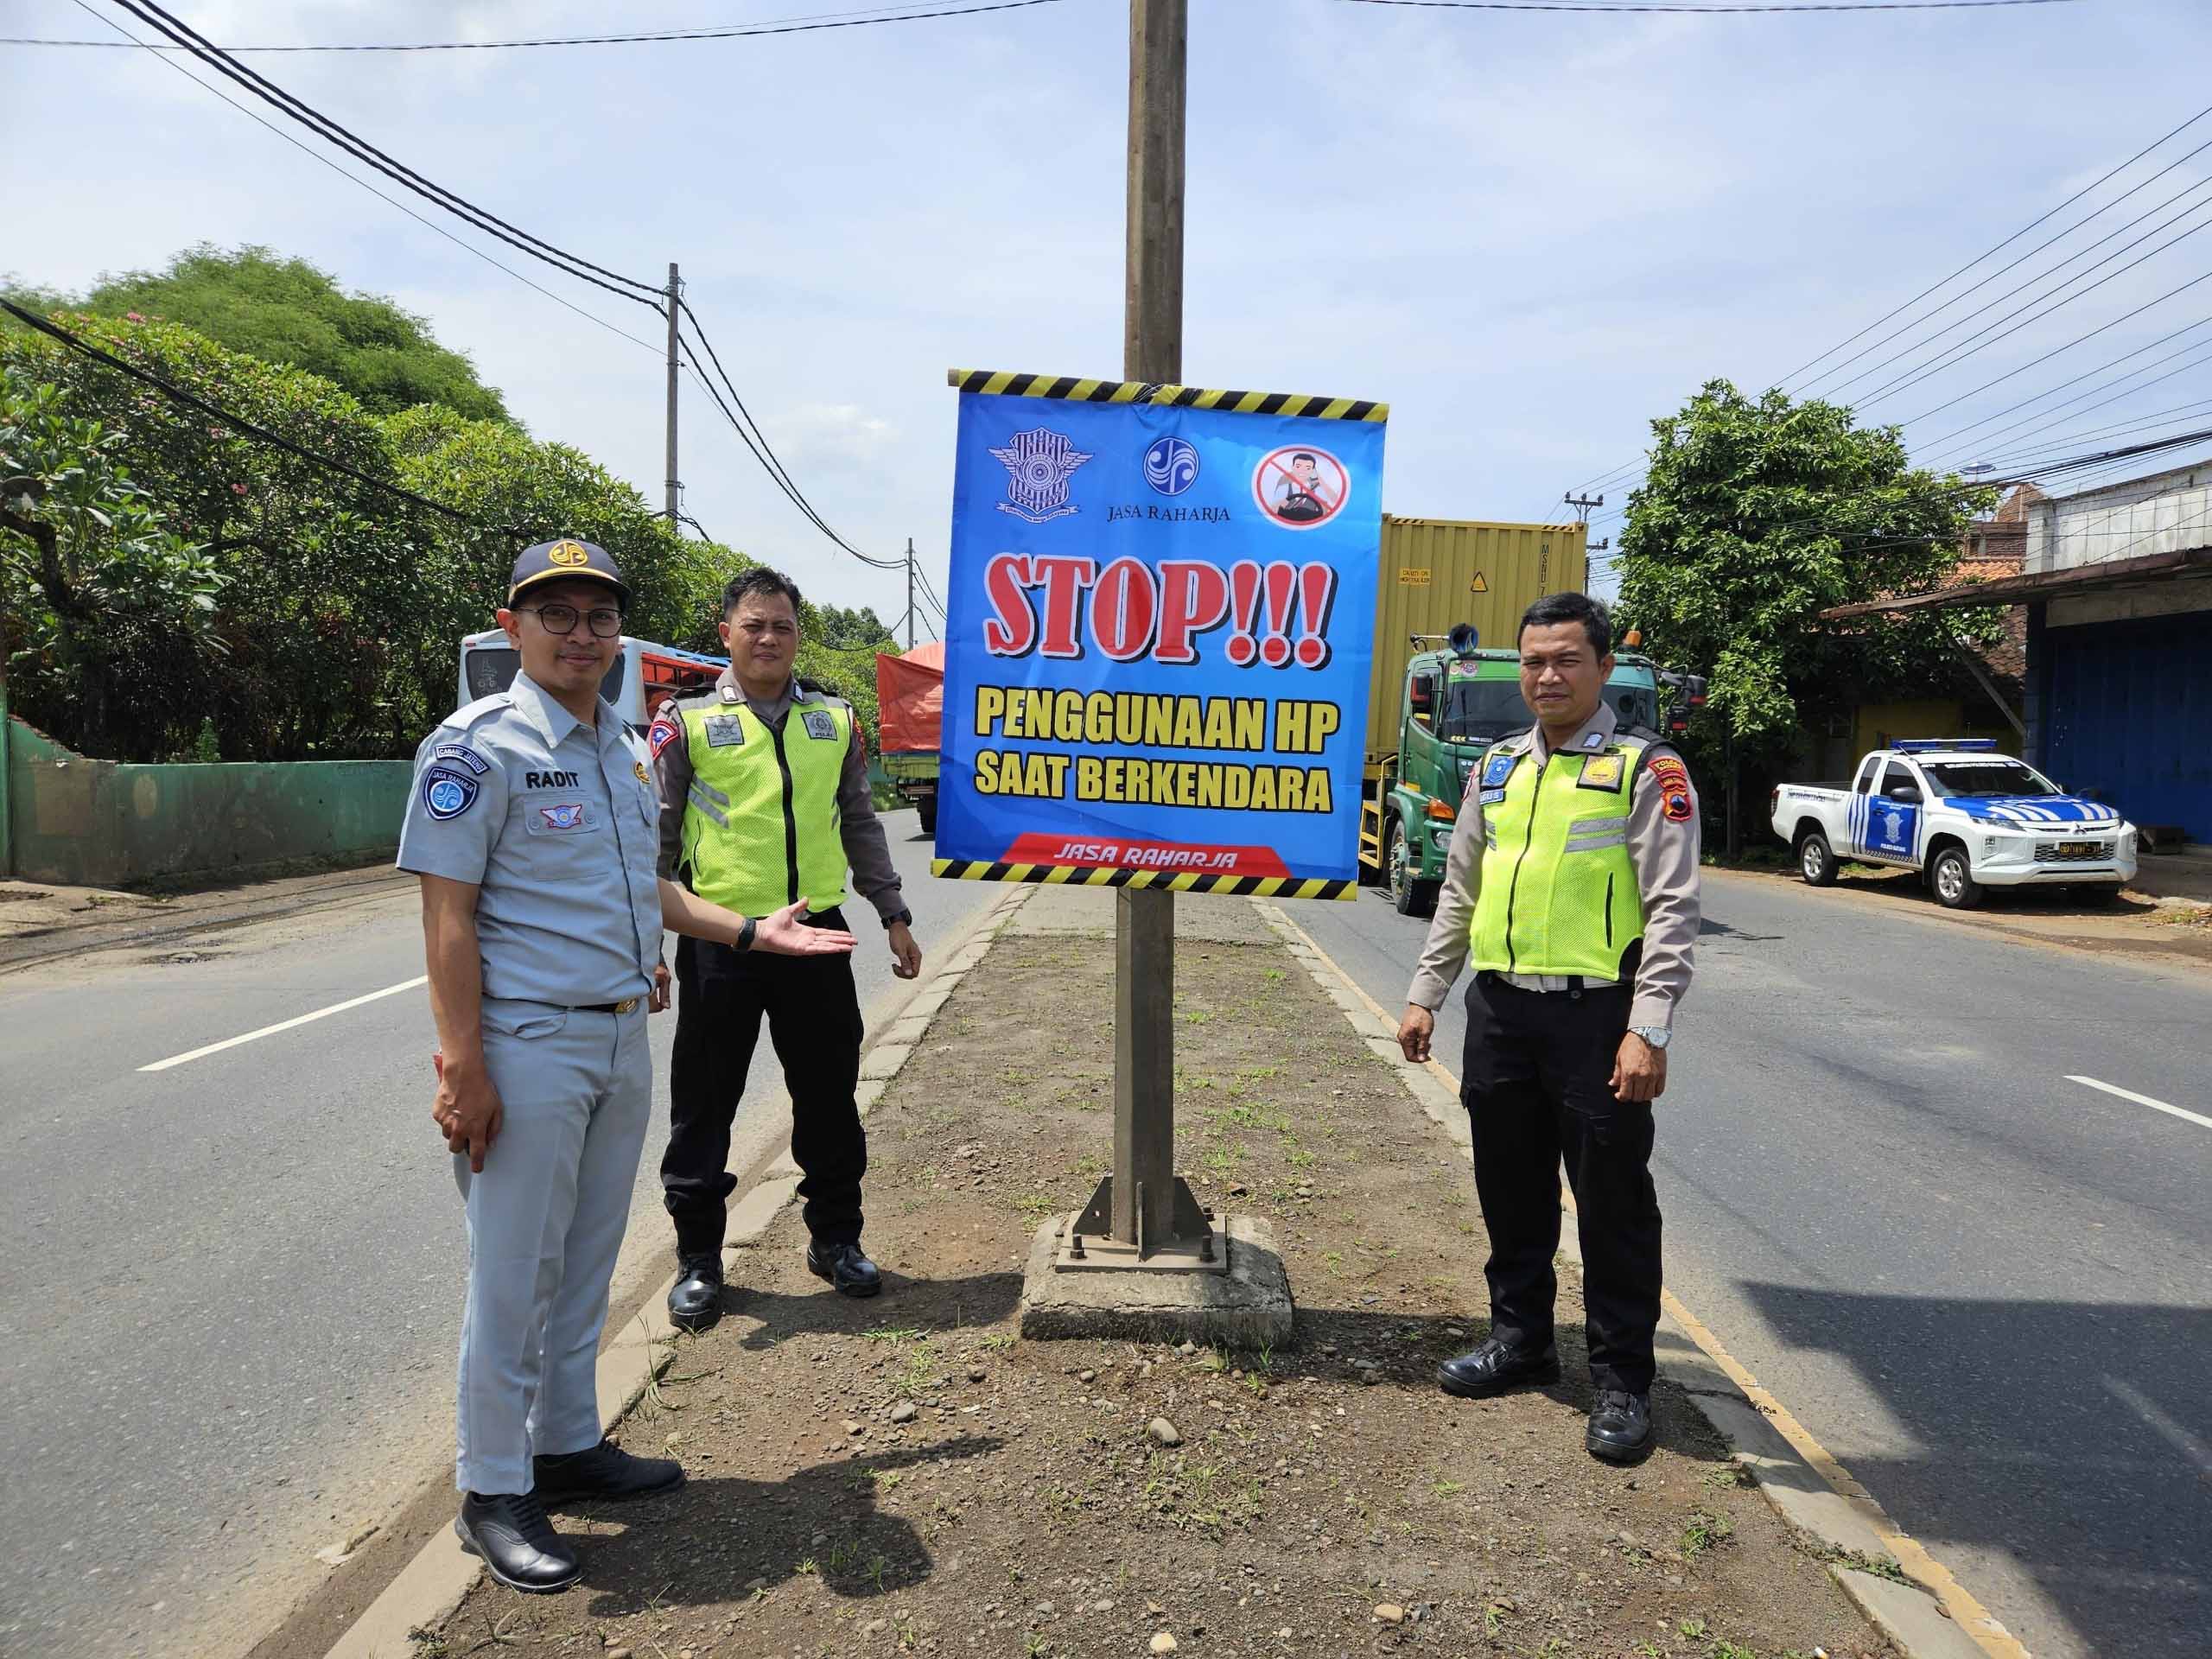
(814, 1022)
(1537, 1085)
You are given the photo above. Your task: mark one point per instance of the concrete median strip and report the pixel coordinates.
(1933, 1616)
(428, 1588)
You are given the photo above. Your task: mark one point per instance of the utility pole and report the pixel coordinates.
(1150, 1207)
(910, 593)
(675, 484)
(1582, 504)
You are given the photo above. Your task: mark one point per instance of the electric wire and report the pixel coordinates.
(806, 23)
(628, 288)
(310, 151)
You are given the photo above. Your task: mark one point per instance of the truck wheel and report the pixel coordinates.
(927, 807)
(1412, 897)
(1816, 859)
(1952, 879)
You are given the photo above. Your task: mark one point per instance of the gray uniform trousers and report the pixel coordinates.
(545, 1221)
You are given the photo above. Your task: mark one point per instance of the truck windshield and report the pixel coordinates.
(1986, 777)
(1482, 711)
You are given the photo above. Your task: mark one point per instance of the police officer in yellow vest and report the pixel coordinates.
(765, 801)
(1573, 880)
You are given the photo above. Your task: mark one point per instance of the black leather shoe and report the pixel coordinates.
(518, 1546)
(603, 1470)
(1496, 1368)
(1620, 1427)
(845, 1266)
(695, 1301)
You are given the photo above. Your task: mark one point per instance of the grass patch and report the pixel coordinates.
(1705, 1532)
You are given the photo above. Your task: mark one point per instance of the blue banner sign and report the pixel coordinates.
(1160, 620)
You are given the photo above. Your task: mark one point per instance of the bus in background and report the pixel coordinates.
(643, 674)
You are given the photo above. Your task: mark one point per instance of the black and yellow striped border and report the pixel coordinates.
(1100, 875)
(1000, 384)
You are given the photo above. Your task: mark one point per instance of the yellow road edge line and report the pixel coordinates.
(1978, 1623)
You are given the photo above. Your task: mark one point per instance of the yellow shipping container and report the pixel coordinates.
(1438, 573)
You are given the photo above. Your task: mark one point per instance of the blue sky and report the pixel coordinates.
(1531, 234)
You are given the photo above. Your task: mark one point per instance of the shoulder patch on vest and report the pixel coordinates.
(819, 722)
(1497, 766)
(667, 726)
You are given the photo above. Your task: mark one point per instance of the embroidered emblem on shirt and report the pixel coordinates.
(1498, 768)
(466, 756)
(820, 723)
(569, 814)
(644, 777)
(724, 731)
(447, 793)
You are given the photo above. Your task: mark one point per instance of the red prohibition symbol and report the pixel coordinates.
(1300, 487)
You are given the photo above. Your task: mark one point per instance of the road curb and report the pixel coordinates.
(430, 1587)
(1932, 1617)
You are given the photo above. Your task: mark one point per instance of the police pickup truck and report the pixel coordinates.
(1961, 814)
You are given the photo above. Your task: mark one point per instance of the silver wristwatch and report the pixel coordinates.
(1658, 1036)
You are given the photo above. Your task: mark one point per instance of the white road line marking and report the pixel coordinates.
(2186, 1443)
(2198, 1118)
(286, 1025)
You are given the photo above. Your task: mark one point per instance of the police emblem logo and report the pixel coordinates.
(1039, 464)
(567, 553)
(569, 814)
(1498, 768)
(638, 767)
(447, 793)
(820, 723)
(723, 731)
(1602, 772)
(1171, 465)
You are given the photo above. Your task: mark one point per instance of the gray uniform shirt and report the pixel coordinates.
(867, 848)
(1663, 848)
(554, 823)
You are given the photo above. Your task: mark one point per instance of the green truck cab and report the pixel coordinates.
(1452, 704)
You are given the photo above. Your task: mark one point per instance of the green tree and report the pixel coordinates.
(93, 580)
(1756, 516)
(286, 311)
(316, 567)
(844, 629)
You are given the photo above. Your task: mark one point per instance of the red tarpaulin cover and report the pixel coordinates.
(910, 699)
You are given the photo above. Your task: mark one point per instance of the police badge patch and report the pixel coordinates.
(724, 731)
(820, 723)
(1497, 768)
(447, 791)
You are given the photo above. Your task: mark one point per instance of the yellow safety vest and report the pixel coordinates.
(1559, 894)
(761, 823)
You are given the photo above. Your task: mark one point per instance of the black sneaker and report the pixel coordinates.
(603, 1470)
(517, 1544)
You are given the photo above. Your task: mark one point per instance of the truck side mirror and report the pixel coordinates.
(1694, 684)
(1905, 793)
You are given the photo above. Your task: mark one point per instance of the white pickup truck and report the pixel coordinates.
(1960, 813)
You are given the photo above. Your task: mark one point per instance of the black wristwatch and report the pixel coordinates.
(906, 916)
(745, 934)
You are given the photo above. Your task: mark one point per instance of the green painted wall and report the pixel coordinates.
(106, 824)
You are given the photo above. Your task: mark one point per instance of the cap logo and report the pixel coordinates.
(567, 553)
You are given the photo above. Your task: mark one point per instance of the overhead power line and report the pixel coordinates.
(628, 288)
(1679, 8)
(128, 39)
(800, 25)
(191, 400)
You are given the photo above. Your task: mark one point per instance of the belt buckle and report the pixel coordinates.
(625, 1005)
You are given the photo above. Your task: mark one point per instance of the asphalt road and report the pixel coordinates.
(230, 1291)
(1985, 1287)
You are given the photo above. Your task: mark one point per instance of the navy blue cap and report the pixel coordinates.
(566, 560)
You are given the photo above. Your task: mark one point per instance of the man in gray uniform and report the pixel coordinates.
(532, 824)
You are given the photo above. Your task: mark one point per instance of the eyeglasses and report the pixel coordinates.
(606, 622)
